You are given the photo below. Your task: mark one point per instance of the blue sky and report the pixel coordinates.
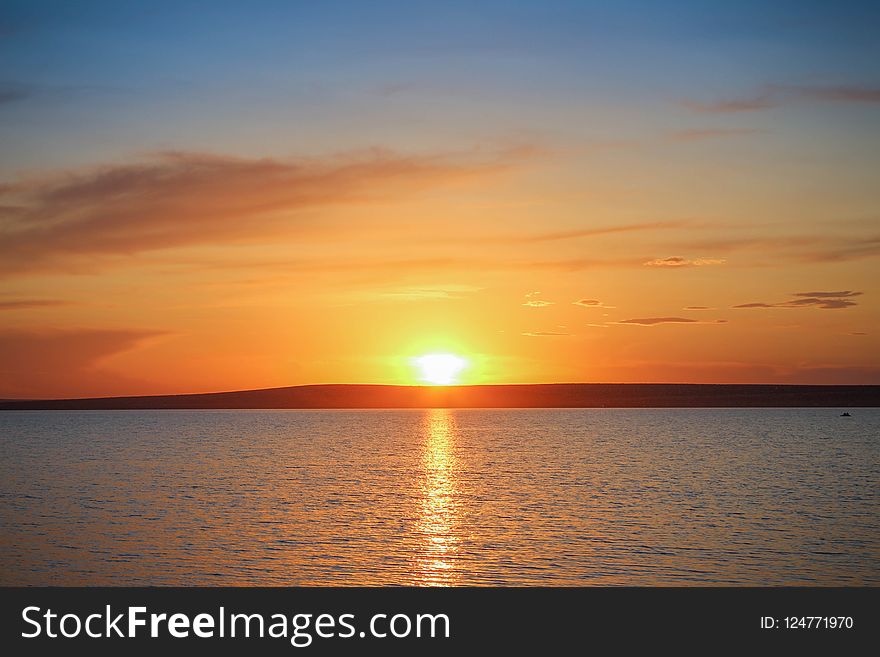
(99, 77)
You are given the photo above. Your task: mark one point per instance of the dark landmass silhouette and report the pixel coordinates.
(552, 395)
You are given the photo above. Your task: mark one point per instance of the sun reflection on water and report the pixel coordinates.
(438, 521)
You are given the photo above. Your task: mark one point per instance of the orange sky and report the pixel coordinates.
(570, 234)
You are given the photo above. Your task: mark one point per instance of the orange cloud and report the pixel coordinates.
(27, 304)
(534, 302)
(678, 261)
(798, 248)
(829, 295)
(185, 199)
(590, 303)
(824, 300)
(66, 363)
(651, 321)
(579, 233)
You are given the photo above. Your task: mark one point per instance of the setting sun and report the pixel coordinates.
(439, 369)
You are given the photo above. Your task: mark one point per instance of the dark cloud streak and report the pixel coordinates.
(651, 321)
(774, 95)
(27, 304)
(191, 199)
(823, 300)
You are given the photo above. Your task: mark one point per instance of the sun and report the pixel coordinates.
(440, 369)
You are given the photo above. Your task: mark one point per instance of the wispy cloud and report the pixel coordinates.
(64, 363)
(591, 303)
(383, 267)
(838, 250)
(27, 304)
(652, 321)
(824, 295)
(702, 134)
(394, 88)
(188, 199)
(775, 95)
(841, 93)
(678, 261)
(823, 300)
(418, 293)
(580, 233)
(545, 334)
(11, 92)
(798, 248)
(532, 301)
(745, 104)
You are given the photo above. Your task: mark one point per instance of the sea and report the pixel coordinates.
(441, 497)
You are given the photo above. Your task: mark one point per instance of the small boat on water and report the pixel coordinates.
(845, 415)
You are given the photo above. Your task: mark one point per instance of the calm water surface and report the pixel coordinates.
(448, 497)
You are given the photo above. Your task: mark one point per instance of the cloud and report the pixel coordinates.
(837, 250)
(824, 300)
(579, 233)
(394, 88)
(418, 293)
(798, 248)
(701, 134)
(25, 304)
(678, 261)
(386, 268)
(65, 363)
(13, 92)
(697, 308)
(748, 104)
(591, 303)
(544, 334)
(775, 95)
(825, 295)
(828, 304)
(189, 199)
(534, 302)
(10, 93)
(839, 93)
(651, 321)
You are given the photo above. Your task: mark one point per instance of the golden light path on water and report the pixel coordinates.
(440, 512)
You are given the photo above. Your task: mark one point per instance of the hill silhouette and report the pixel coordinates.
(553, 395)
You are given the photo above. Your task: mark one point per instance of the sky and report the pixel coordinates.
(202, 196)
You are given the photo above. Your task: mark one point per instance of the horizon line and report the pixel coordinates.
(439, 389)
